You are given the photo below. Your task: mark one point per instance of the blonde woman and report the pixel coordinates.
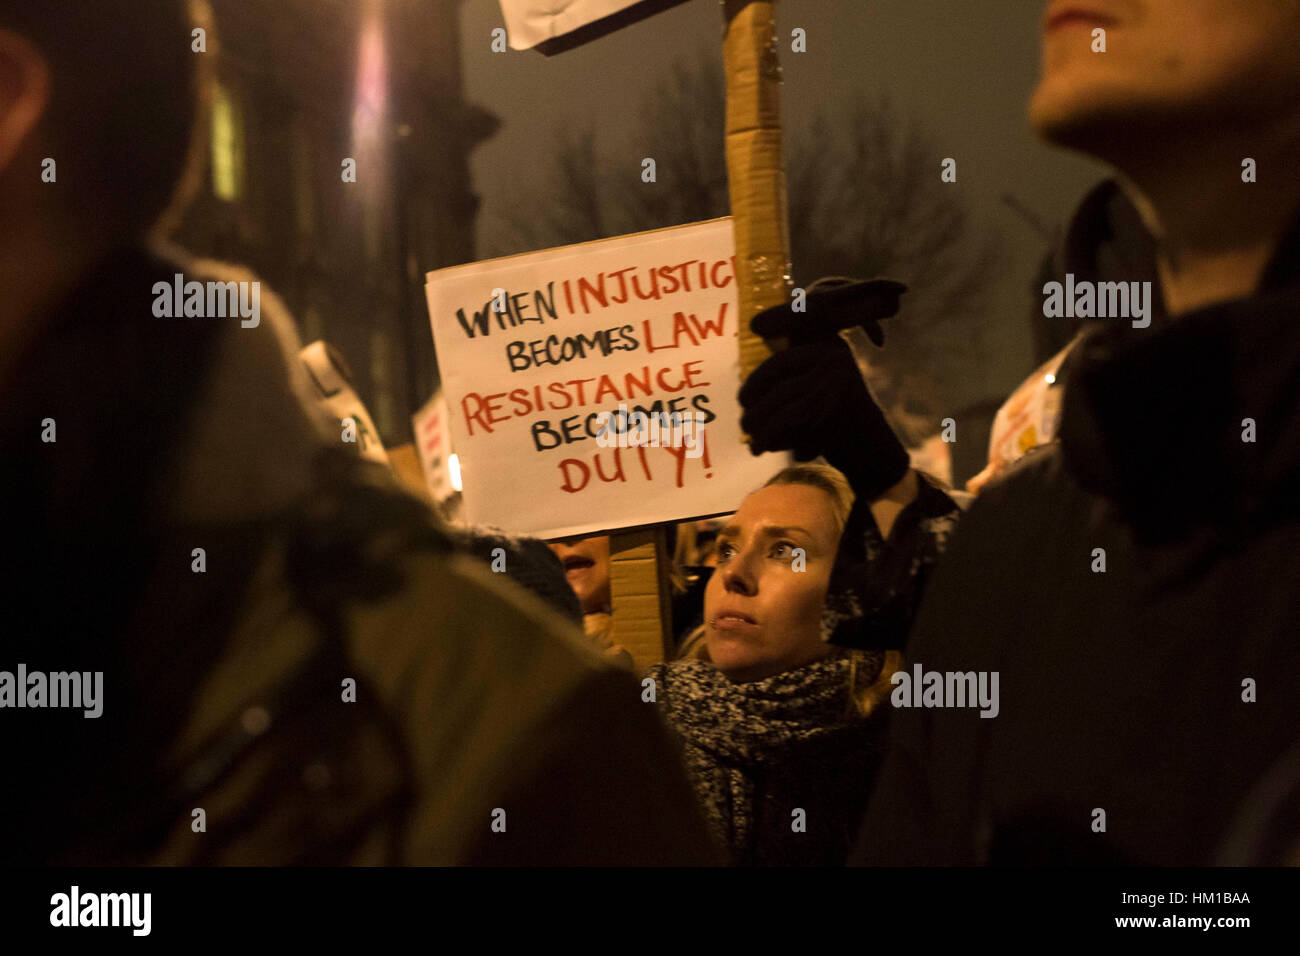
(781, 731)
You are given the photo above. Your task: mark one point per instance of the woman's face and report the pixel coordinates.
(586, 568)
(763, 604)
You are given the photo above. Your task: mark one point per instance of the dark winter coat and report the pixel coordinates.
(876, 583)
(782, 766)
(288, 642)
(1135, 586)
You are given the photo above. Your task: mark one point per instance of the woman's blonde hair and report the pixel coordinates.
(827, 479)
(868, 691)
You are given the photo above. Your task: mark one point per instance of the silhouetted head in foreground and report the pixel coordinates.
(99, 107)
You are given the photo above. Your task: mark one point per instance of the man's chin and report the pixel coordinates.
(1111, 122)
(1094, 128)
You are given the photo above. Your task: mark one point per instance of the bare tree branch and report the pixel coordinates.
(865, 199)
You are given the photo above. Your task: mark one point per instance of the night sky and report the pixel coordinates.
(963, 69)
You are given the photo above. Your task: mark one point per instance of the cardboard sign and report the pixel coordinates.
(558, 365)
(553, 26)
(432, 432)
(338, 397)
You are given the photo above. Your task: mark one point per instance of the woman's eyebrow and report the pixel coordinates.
(769, 531)
(784, 531)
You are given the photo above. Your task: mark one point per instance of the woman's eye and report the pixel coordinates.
(725, 551)
(782, 549)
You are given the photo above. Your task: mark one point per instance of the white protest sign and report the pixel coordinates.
(342, 402)
(531, 23)
(433, 443)
(557, 365)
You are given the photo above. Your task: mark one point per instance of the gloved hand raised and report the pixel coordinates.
(810, 397)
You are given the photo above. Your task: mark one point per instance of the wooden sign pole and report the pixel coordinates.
(639, 585)
(641, 594)
(755, 169)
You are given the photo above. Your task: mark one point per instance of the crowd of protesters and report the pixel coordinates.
(347, 682)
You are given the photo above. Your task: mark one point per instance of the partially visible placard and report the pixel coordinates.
(432, 432)
(552, 26)
(356, 427)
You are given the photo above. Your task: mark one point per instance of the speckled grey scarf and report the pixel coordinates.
(757, 751)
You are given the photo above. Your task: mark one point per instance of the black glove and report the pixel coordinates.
(810, 397)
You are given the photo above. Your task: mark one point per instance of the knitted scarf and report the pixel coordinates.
(794, 738)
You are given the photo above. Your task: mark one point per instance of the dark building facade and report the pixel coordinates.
(307, 89)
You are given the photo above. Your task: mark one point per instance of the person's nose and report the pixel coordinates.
(738, 575)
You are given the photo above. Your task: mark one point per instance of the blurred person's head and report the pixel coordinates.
(1171, 69)
(762, 607)
(696, 540)
(586, 568)
(706, 541)
(111, 92)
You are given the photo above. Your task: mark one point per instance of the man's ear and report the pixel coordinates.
(24, 93)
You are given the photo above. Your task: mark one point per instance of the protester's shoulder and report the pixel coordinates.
(1036, 480)
(278, 344)
(1001, 536)
(478, 626)
(503, 634)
